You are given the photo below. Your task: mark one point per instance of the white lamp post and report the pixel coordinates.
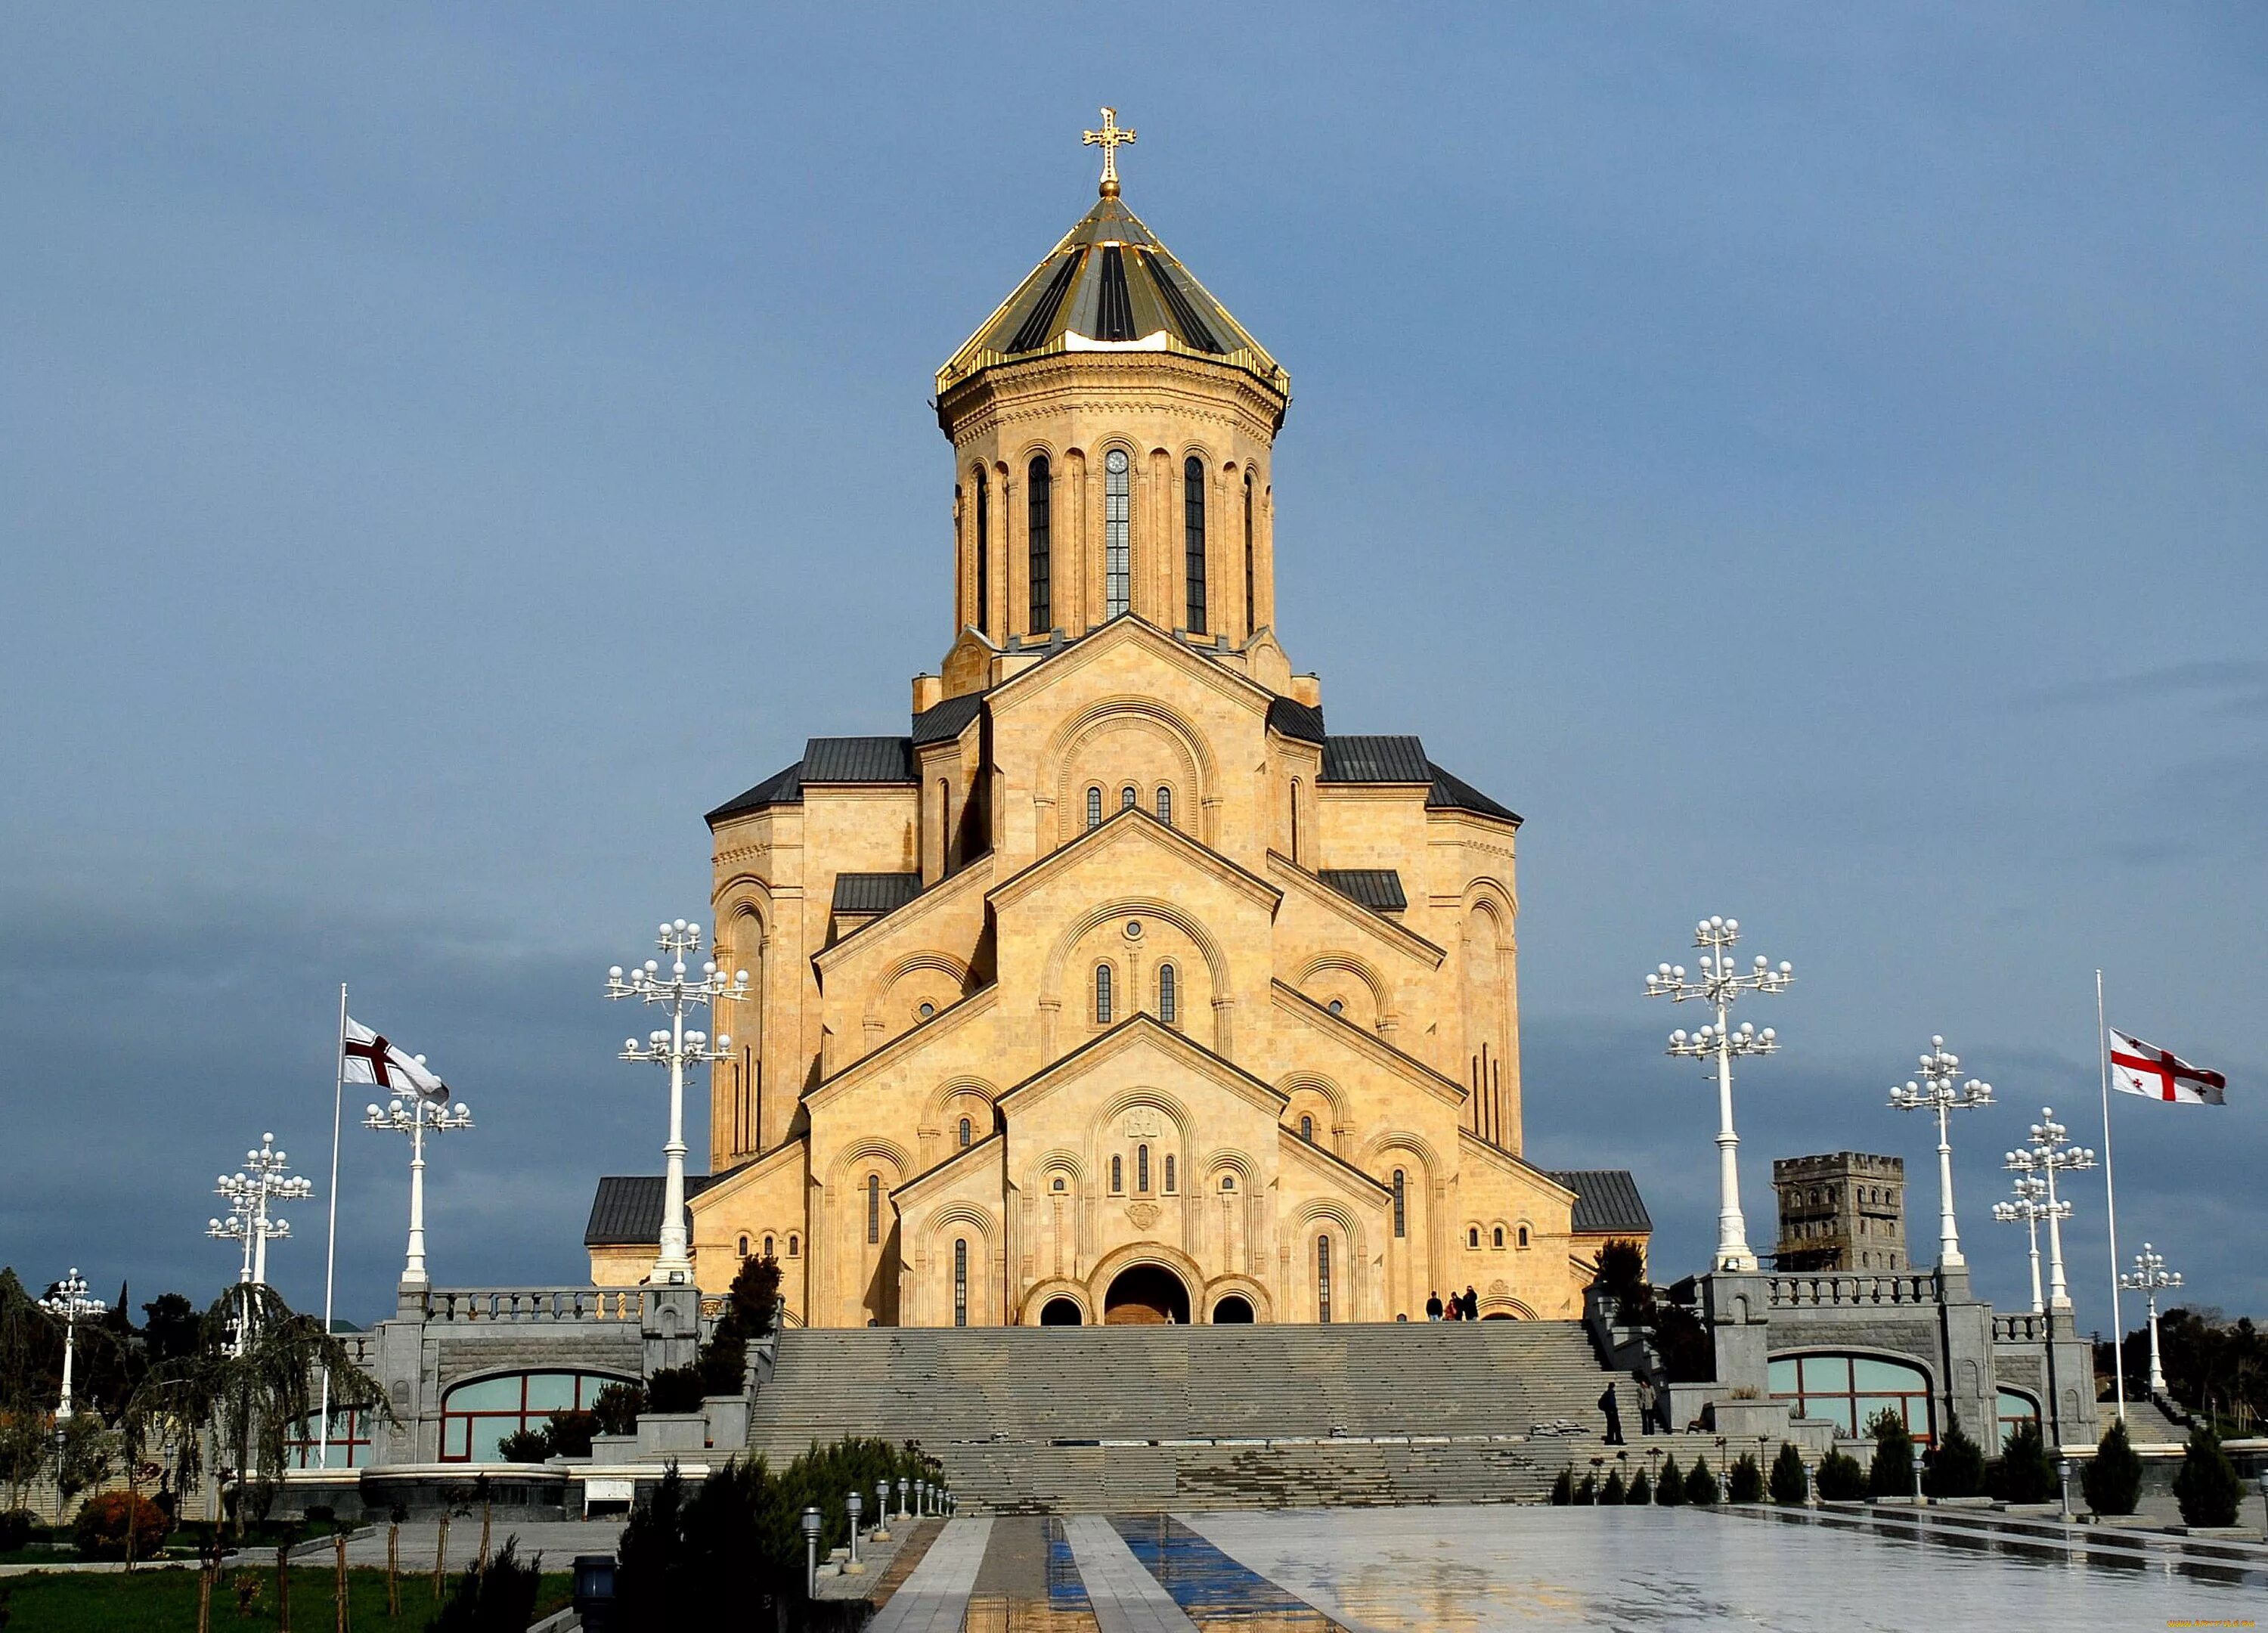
(68, 1303)
(2046, 1154)
(675, 1047)
(264, 1180)
(2149, 1274)
(1720, 984)
(1937, 1091)
(414, 1116)
(2030, 1207)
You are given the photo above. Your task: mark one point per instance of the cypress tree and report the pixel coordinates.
(1789, 1485)
(1670, 1492)
(2113, 1480)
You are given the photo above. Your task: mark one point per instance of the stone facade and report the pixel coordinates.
(1841, 1211)
(1117, 988)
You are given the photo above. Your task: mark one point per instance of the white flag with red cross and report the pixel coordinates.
(370, 1058)
(2144, 1069)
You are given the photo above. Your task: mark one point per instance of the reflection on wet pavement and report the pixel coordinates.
(1028, 1582)
(1211, 1588)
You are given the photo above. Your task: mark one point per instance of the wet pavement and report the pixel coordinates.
(1455, 1568)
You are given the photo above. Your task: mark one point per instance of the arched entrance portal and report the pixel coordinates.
(1146, 1295)
(1235, 1310)
(1060, 1313)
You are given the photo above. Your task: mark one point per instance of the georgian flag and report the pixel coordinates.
(2144, 1069)
(371, 1059)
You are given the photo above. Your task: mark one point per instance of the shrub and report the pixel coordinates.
(617, 1407)
(1701, 1485)
(1957, 1468)
(1641, 1491)
(1563, 1488)
(675, 1389)
(2207, 1486)
(1841, 1479)
(1614, 1493)
(499, 1598)
(1789, 1488)
(1588, 1493)
(2113, 1480)
(570, 1434)
(1669, 1491)
(1622, 1268)
(1892, 1471)
(2026, 1473)
(100, 1530)
(16, 1525)
(1745, 1482)
(521, 1445)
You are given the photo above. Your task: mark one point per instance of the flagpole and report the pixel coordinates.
(331, 1253)
(2110, 1204)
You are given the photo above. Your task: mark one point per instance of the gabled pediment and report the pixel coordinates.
(1105, 847)
(789, 1158)
(1333, 1168)
(1143, 1034)
(910, 923)
(1125, 630)
(905, 1046)
(1337, 1031)
(1295, 880)
(974, 1159)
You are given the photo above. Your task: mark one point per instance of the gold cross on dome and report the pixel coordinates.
(1108, 139)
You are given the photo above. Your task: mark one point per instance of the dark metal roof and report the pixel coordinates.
(781, 787)
(1605, 1199)
(874, 893)
(627, 1211)
(1294, 718)
(857, 760)
(1377, 888)
(947, 719)
(1375, 760)
(1451, 792)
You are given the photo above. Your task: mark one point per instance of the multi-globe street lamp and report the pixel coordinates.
(70, 1304)
(2030, 1207)
(1937, 1091)
(416, 1115)
(2148, 1276)
(676, 1046)
(251, 1191)
(2048, 1152)
(1720, 984)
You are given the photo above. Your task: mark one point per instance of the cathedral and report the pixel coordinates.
(1116, 987)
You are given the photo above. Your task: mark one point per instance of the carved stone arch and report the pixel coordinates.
(1216, 959)
(870, 1153)
(942, 1097)
(1127, 1099)
(1124, 1258)
(1229, 1160)
(1496, 1304)
(1296, 1082)
(1252, 1291)
(932, 1270)
(877, 1017)
(1064, 1159)
(1042, 1294)
(1376, 1158)
(1198, 767)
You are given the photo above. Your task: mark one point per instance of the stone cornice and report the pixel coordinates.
(1115, 829)
(1296, 1003)
(1520, 1166)
(992, 1148)
(796, 1148)
(1330, 1163)
(1108, 638)
(1404, 940)
(1135, 1030)
(904, 918)
(947, 1020)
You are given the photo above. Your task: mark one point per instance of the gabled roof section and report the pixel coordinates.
(1294, 718)
(975, 1154)
(874, 893)
(857, 760)
(941, 722)
(948, 1020)
(1375, 760)
(1605, 1199)
(1293, 1002)
(1313, 887)
(1451, 792)
(1109, 285)
(627, 1211)
(1330, 1162)
(1137, 1028)
(1377, 888)
(781, 787)
(1105, 637)
(1112, 826)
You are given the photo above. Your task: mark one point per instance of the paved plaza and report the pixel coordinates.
(1471, 1570)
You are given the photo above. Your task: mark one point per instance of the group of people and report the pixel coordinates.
(1653, 1409)
(1464, 1307)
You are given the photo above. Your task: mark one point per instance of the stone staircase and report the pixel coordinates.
(1132, 1419)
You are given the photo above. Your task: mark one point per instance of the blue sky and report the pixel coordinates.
(1808, 464)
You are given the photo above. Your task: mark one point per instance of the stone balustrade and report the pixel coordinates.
(2024, 1327)
(1826, 1290)
(537, 1304)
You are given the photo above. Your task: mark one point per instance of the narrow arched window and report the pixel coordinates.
(768, 1246)
(1169, 1173)
(1229, 1181)
(944, 825)
(1142, 1169)
(1251, 616)
(1295, 818)
(1169, 1000)
(1401, 1205)
(794, 1247)
(966, 1132)
(1193, 538)
(1308, 1130)
(744, 1247)
(1094, 807)
(873, 1209)
(1103, 995)
(1129, 797)
(960, 1282)
(1499, 1236)
(1038, 495)
(1118, 1175)
(1165, 805)
(1323, 1278)
(1523, 1236)
(1117, 511)
(984, 553)
(1473, 1236)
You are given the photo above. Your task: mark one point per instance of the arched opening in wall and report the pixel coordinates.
(983, 554)
(1118, 513)
(1129, 797)
(744, 1247)
(1038, 491)
(1147, 1295)
(1251, 616)
(1193, 539)
(1060, 1313)
(960, 1282)
(967, 1130)
(1094, 807)
(1501, 1315)
(1165, 805)
(1308, 1130)
(1295, 818)
(1235, 1310)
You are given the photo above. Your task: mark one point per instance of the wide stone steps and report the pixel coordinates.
(1128, 1419)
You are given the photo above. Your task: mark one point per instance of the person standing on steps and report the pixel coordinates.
(1613, 1408)
(1472, 1303)
(1433, 1306)
(1644, 1404)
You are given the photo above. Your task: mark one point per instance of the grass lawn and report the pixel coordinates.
(166, 1601)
